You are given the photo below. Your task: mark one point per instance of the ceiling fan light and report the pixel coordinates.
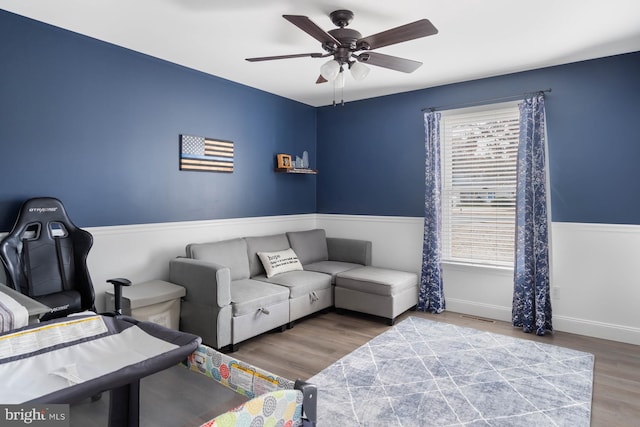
(359, 71)
(330, 69)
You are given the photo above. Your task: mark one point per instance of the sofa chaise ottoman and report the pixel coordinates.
(377, 291)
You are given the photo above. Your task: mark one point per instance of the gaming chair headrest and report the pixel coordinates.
(42, 210)
(41, 218)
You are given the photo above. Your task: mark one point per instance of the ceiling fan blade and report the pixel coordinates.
(403, 33)
(296, 55)
(388, 61)
(321, 79)
(309, 27)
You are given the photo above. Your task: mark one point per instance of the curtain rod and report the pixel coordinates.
(486, 101)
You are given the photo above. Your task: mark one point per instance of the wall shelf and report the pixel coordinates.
(298, 171)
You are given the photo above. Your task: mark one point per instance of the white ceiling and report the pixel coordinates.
(476, 38)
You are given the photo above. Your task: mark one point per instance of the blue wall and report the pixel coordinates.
(371, 152)
(98, 127)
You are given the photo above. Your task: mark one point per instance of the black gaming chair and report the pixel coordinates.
(45, 258)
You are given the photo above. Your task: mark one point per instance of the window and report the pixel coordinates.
(479, 157)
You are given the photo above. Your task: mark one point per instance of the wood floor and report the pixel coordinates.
(318, 341)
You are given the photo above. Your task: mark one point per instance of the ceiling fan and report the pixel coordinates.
(344, 45)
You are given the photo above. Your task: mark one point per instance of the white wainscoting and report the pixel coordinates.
(396, 241)
(595, 273)
(595, 267)
(142, 252)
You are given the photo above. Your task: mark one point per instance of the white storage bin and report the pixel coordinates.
(155, 301)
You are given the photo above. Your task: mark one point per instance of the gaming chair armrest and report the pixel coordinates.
(118, 283)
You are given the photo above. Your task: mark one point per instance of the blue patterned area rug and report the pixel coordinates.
(426, 373)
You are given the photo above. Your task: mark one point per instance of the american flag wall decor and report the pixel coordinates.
(198, 153)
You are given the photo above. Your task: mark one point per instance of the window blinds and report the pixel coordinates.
(479, 156)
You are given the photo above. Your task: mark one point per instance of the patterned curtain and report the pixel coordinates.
(431, 297)
(531, 308)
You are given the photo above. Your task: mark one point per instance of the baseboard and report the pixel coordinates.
(607, 331)
(479, 309)
(588, 328)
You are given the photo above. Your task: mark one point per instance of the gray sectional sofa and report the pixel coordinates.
(229, 297)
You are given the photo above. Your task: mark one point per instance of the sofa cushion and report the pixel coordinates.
(279, 262)
(229, 253)
(273, 243)
(331, 268)
(249, 296)
(310, 245)
(300, 282)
